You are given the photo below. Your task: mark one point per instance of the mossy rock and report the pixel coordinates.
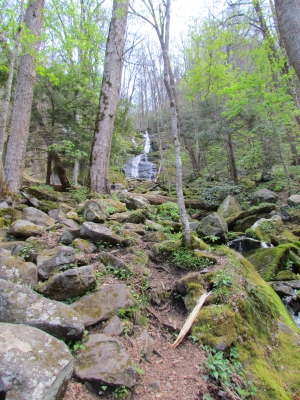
(2, 222)
(267, 229)
(117, 177)
(215, 326)
(138, 216)
(268, 262)
(182, 285)
(197, 243)
(243, 224)
(207, 258)
(111, 206)
(168, 246)
(285, 276)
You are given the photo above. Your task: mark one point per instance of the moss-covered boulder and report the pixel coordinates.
(213, 225)
(250, 315)
(267, 229)
(270, 261)
(264, 196)
(229, 206)
(285, 276)
(215, 326)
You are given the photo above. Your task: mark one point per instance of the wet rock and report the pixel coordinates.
(51, 259)
(105, 361)
(34, 365)
(282, 289)
(37, 217)
(71, 283)
(101, 305)
(21, 305)
(22, 228)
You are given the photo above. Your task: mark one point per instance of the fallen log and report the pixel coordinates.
(191, 318)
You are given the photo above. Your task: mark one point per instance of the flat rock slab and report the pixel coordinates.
(51, 259)
(105, 360)
(33, 364)
(21, 305)
(102, 305)
(16, 270)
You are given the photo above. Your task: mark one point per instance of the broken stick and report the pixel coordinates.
(191, 318)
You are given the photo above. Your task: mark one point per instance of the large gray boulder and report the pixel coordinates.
(93, 212)
(21, 305)
(71, 283)
(229, 206)
(133, 202)
(97, 232)
(102, 305)
(50, 260)
(37, 217)
(22, 228)
(16, 270)
(263, 196)
(84, 246)
(105, 361)
(212, 225)
(34, 365)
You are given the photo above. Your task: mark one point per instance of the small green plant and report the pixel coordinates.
(194, 339)
(231, 236)
(120, 392)
(289, 265)
(187, 259)
(210, 238)
(120, 273)
(74, 347)
(222, 280)
(102, 245)
(26, 251)
(169, 211)
(229, 373)
(139, 370)
(102, 389)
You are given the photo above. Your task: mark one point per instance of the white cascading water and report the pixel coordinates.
(140, 166)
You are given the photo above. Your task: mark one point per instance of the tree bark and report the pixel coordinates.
(59, 169)
(19, 127)
(6, 99)
(101, 148)
(288, 17)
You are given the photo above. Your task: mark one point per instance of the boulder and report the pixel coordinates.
(37, 217)
(266, 229)
(22, 228)
(98, 232)
(264, 196)
(84, 246)
(50, 260)
(72, 283)
(16, 270)
(113, 261)
(105, 303)
(59, 216)
(93, 212)
(69, 235)
(114, 326)
(229, 206)
(212, 225)
(138, 216)
(294, 200)
(34, 365)
(133, 201)
(282, 289)
(105, 361)
(21, 305)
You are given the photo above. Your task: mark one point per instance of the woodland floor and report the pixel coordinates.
(170, 374)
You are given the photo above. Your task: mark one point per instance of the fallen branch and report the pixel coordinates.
(191, 318)
(160, 320)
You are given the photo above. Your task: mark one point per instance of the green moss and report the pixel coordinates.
(285, 276)
(269, 262)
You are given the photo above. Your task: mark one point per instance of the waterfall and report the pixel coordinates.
(140, 166)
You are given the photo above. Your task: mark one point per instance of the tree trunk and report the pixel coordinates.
(231, 159)
(288, 17)
(6, 99)
(101, 148)
(59, 170)
(19, 127)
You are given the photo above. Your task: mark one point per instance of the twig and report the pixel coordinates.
(159, 319)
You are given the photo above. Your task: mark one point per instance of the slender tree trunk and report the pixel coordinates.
(19, 128)
(231, 159)
(288, 17)
(6, 100)
(101, 148)
(76, 172)
(59, 170)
